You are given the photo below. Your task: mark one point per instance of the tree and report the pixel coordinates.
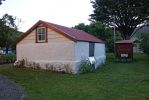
(82, 26)
(8, 30)
(100, 31)
(125, 15)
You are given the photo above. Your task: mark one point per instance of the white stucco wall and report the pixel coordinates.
(99, 53)
(82, 52)
(55, 53)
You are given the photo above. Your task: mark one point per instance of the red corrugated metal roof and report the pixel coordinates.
(124, 41)
(74, 34)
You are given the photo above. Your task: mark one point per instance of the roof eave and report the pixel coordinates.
(91, 41)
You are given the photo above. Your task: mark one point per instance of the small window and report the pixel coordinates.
(41, 34)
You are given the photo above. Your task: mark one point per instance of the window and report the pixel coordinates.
(41, 34)
(91, 49)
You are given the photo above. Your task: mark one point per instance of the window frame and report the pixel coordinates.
(40, 34)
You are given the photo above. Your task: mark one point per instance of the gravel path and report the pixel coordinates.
(9, 90)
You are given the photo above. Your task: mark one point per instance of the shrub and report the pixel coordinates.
(7, 58)
(20, 63)
(85, 67)
(50, 67)
(35, 66)
(145, 43)
(63, 68)
(67, 68)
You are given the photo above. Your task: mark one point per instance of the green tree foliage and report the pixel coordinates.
(124, 14)
(82, 26)
(8, 32)
(145, 43)
(100, 31)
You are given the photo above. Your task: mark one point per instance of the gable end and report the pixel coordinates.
(42, 24)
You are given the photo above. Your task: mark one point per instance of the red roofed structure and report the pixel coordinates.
(124, 50)
(46, 44)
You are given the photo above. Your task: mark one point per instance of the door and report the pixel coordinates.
(91, 49)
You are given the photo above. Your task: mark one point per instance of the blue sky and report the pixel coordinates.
(63, 12)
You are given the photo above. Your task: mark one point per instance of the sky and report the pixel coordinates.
(63, 12)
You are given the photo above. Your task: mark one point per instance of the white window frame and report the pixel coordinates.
(41, 33)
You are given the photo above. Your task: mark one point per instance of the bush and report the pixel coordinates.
(145, 43)
(85, 67)
(63, 68)
(20, 63)
(7, 58)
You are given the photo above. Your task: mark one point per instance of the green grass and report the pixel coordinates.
(113, 81)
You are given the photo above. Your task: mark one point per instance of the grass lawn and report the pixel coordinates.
(113, 81)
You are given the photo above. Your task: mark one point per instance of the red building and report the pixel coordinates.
(124, 50)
